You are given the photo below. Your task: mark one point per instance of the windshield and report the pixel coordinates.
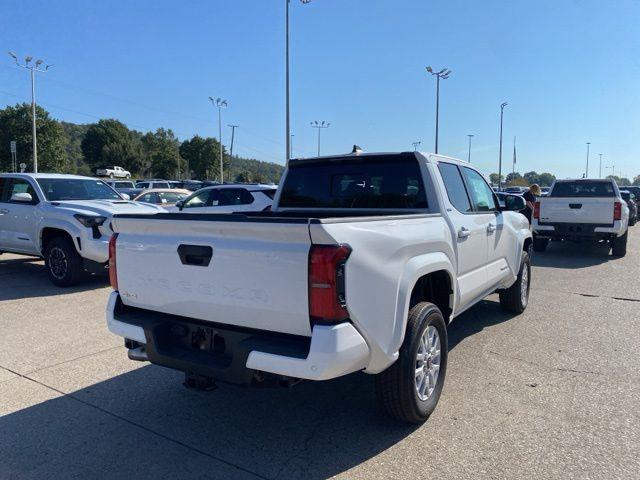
(57, 189)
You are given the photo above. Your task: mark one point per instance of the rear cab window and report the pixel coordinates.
(583, 188)
(365, 182)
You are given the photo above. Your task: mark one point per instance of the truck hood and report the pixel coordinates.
(105, 208)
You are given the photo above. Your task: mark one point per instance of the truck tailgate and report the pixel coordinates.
(595, 210)
(256, 275)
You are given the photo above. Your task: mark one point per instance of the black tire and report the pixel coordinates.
(511, 299)
(396, 387)
(63, 263)
(111, 175)
(127, 176)
(619, 245)
(632, 221)
(540, 244)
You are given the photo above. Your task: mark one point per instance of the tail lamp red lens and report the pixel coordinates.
(327, 301)
(617, 211)
(536, 210)
(113, 270)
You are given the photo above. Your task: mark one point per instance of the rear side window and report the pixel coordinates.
(454, 185)
(368, 182)
(234, 196)
(583, 189)
(480, 191)
(142, 185)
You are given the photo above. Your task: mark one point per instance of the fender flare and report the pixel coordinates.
(414, 269)
(72, 230)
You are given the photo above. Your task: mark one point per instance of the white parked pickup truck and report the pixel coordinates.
(113, 172)
(582, 210)
(65, 219)
(360, 265)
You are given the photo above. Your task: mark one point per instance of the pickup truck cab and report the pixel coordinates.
(113, 172)
(582, 210)
(361, 264)
(65, 219)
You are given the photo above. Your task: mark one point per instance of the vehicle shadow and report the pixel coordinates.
(144, 424)
(26, 277)
(572, 255)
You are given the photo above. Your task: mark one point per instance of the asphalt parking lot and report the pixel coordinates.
(553, 393)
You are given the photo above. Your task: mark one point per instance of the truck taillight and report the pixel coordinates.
(113, 270)
(617, 211)
(536, 210)
(327, 302)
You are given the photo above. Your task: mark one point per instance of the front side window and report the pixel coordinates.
(456, 191)
(19, 185)
(198, 200)
(481, 193)
(169, 197)
(60, 189)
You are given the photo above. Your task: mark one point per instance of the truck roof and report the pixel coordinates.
(427, 156)
(46, 175)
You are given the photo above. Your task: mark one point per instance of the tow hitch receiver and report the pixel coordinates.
(199, 382)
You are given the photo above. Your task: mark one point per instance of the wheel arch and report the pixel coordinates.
(49, 233)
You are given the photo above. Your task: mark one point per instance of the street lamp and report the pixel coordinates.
(600, 168)
(233, 134)
(502, 105)
(416, 145)
(586, 172)
(220, 103)
(287, 102)
(319, 126)
(469, 155)
(32, 69)
(444, 74)
(613, 169)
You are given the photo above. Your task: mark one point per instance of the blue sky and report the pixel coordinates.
(570, 71)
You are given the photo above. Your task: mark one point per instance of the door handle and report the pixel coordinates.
(491, 228)
(464, 232)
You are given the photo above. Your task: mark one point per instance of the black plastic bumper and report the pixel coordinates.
(206, 349)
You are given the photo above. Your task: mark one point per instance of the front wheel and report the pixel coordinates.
(111, 175)
(516, 297)
(127, 176)
(63, 263)
(409, 389)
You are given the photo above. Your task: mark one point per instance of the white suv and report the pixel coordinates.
(65, 219)
(228, 199)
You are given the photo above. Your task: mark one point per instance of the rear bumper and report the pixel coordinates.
(238, 355)
(578, 231)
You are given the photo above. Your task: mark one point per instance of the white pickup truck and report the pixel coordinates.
(582, 210)
(113, 172)
(63, 218)
(360, 265)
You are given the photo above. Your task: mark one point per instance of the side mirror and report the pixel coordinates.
(125, 196)
(514, 203)
(22, 198)
(180, 204)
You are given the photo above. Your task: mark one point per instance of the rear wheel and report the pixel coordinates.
(632, 221)
(111, 175)
(540, 244)
(516, 297)
(409, 389)
(619, 245)
(63, 263)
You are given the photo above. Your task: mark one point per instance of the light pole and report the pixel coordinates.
(444, 74)
(287, 102)
(600, 168)
(319, 126)
(586, 172)
(416, 145)
(291, 143)
(220, 103)
(33, 69)
(233, 134)
(469, 155)
(502, 105)
(613, 169)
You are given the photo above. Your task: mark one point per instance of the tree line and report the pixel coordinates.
(65, 147)
(515, 179)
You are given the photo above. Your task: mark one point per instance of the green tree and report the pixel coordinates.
(243, 177)
(15, 124)
(202, 155)
(515, 178)
(74, 134)
(493, 178)
(161, 154)
(636, 181)
(546, 179)
(532, 177)
(110, 142)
